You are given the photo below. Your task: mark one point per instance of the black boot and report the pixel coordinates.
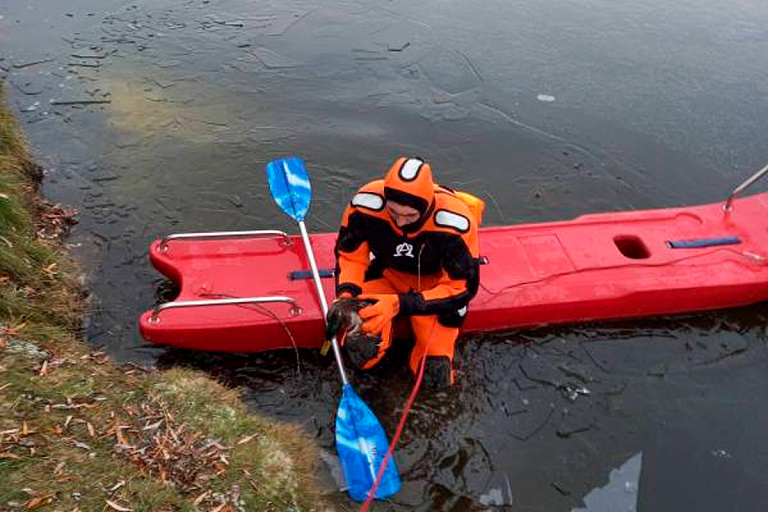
(437, 374)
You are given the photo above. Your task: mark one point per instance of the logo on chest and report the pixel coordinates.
(404, 249)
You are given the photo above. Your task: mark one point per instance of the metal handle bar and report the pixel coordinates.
(155, 318)
(223, 234)
(744, 186)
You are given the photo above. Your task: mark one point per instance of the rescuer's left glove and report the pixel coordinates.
(380, 314)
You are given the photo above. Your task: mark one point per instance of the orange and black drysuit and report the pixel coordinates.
(431, 265)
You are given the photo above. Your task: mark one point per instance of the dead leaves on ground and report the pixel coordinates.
(169, 451)
(8, 332)
(40, 501)
(119, 508)
(55, 221)
(15, 330)
(147, 435)
(15, 442)
(50, 270)
(97, 356)
(164, 449)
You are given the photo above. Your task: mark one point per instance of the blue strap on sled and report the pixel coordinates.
(698, 243)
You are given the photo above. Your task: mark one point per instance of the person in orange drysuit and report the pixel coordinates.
(410, 247)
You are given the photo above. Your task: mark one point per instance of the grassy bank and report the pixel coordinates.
(80, 433)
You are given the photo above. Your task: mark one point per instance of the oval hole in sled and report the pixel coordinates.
(632, 247)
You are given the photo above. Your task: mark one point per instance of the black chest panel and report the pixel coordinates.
(421, 253)
(425, 253)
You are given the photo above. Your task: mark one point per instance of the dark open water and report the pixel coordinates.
(655, 104)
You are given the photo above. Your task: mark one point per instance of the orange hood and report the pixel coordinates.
(409, 182)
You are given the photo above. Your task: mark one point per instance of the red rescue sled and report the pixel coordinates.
(252, 291)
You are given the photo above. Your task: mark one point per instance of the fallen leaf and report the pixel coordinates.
(121, 439)
(25, 430)
(50, 270)
(91, 430)
(117, 507)
(13, 331)
(246, 439)
(44, 368)
(39, 501)
(59, 468)
(218, 445)
(200, 498)
(81, 445)
(8, 455)
(153, 425)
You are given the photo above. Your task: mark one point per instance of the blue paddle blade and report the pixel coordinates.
(362, 444)
(289, 185)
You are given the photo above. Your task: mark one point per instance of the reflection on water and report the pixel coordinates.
(547, 110)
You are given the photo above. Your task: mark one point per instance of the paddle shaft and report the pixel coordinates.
(321, 295)
(360, 438)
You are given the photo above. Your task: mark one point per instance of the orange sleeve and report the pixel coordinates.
(445, 289)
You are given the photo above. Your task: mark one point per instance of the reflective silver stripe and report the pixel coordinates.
(410, 169)
(368, 200)
(448, 219)
(462, 311)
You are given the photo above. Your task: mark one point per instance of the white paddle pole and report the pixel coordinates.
(321, 295)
